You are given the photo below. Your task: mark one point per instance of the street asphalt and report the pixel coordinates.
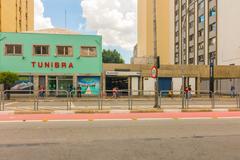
(214, 139)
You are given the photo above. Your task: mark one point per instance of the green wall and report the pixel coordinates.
(23, 64)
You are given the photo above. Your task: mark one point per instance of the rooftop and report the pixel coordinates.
(54, 31)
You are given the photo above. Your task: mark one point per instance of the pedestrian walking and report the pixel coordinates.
(79, 91)
(41, 93)
(114, 92)
(232, 91)
(186, 90)
(190, 92)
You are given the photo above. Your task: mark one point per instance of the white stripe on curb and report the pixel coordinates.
(172, 110)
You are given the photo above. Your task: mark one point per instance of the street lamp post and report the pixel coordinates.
(156, 105)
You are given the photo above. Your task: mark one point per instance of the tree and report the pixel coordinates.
(8, 79)
(112, 56)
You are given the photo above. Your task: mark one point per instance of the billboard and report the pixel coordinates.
(24, 83)
(89, 85)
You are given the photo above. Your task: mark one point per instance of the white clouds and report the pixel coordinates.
(40, 21)
(114, 19)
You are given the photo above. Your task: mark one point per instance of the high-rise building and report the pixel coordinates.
(16, 15)
(145, 41)
(206, 29)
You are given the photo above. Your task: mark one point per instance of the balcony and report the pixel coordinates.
(191, 31)
(212, 48)
(212, 19)
(212, 4)
(183, 12)
(191, 18)
(177, 18)
(201, 52)
(177, 39)
(201, 26)
(201, 11)
(191, 7)
(200, 39)
(191, 43)
(176, 7)
(212, 34)
(191, 55)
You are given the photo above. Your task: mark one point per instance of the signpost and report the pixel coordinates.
(154, 72)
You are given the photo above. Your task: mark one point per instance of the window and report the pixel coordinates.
(41, 50)
(201, 33)
(13, 49)
(191, 24)
(212, 12)
(201, 19)
(88, 51)
(64, 51)
(201, 5)
(191, 37)
(212, 41)
(213, 27)
(201, 58)
(201, 45)
(191, 49)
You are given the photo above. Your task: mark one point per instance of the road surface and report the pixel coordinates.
(212, 139)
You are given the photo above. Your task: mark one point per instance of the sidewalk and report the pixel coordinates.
(117, 116)
(92, 111)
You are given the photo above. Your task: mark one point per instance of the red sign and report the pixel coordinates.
(154, 72)
(52, 65)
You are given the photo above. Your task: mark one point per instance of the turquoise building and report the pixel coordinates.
(53, 61)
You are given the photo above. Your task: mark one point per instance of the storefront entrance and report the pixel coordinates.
(120, 82)
(58, 84)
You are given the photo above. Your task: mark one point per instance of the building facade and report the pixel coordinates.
(145, 40)
(53, 61)
(16, 15)
(205, 29)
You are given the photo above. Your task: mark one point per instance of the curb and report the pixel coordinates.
(118, 111)
(147, 111)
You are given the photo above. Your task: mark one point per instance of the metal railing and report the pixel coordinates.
(107, 99)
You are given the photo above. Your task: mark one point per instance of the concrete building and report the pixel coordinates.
(145, 41)
(16, 15)
(53, 61)
(204, 29)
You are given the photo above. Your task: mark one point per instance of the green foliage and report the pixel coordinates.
(110, 56)
(8, 78)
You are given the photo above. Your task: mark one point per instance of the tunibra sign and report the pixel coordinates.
(52, 65)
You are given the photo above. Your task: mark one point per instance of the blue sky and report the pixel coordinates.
(75, 19)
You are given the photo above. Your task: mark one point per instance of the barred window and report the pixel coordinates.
(88, 51)
(64, 51)
(41, 50)
(13, 49)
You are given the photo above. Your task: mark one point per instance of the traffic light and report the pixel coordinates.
(158, 62)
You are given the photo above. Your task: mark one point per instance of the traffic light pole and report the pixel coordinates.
(156, 105)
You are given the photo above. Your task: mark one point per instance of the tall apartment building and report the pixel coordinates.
(145, 41)
(16, 15)
(205, 29)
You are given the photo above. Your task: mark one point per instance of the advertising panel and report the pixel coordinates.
(89, 85)
(25, 83)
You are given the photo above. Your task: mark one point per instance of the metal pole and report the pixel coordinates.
(211, 79)
(156, 105)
